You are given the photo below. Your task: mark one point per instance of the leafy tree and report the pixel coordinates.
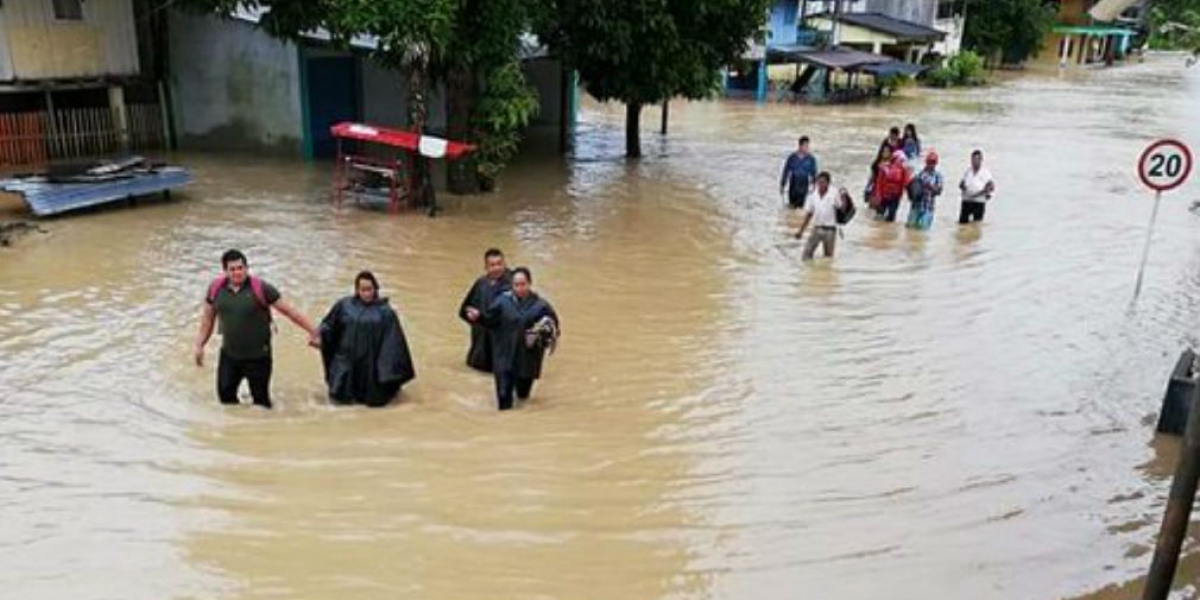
(1175, 25)
(490, 102)
(1012, 30)
(648, 51)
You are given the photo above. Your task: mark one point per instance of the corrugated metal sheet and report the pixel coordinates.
(40, 46)
(46, 199)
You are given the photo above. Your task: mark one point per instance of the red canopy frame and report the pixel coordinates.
(414, 145)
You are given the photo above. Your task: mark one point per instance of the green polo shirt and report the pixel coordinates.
(245, 325)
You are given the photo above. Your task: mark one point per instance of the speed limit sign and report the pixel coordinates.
(1165, 165)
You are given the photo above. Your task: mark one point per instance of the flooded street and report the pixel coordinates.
(962, 413)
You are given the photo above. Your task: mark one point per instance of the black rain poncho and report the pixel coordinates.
(480, 296)
(510, 319)
(365, 353)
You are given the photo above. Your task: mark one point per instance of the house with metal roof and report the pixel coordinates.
(1095, 31)
(879, 34)
(77, 79)
(947, 16)
(812, 54)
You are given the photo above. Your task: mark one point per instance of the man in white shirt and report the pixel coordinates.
(977, 188)
(821, 210)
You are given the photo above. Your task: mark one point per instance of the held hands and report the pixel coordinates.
(314, 340)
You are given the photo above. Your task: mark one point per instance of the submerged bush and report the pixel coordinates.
(963, 69)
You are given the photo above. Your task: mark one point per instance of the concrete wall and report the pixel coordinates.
(781, 27)
(6, 66)
(233, 87)
(954, 33)
(917, 11)
(40, 46)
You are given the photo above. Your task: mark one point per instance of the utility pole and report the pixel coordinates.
(837, 24)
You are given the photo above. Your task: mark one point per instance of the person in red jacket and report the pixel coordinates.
(888, 188)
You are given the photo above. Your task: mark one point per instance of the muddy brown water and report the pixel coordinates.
(964, 413)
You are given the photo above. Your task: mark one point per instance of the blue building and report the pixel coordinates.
(796, 30)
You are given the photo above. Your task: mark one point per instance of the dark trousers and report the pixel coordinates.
(888, 210)
(971, 210)
(231, 372)
(796, 196)
(506, 384)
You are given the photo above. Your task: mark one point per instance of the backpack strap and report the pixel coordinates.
(260, 296)
(256, 286)
(214, 288)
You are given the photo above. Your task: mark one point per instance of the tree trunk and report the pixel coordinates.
(633, 143)
(460, 95)
(416, 118)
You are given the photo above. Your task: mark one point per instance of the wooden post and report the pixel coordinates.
(666, 115)
(51, 126)
(116, 102)
(1178, 511)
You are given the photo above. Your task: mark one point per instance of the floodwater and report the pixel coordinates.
(964, 413)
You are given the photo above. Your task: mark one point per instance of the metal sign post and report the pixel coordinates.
(1164, 166)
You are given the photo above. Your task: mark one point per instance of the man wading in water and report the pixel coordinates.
(243, 304)
(798, 173)
(977, 188)
(496, 280)
(822, 211)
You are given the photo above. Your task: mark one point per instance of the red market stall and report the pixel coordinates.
(388, 173)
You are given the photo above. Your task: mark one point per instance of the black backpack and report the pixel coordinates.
(846, 209)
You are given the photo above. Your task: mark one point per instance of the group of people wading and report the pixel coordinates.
(899, 170)
(363, 348)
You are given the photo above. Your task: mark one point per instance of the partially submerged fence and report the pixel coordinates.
(37, 138)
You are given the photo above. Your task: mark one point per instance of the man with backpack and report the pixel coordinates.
(243, 304)
(923, 190)
(826, 210)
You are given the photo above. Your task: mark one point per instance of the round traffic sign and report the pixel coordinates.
(1165, 165)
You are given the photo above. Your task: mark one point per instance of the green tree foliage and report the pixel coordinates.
(647, 51)
(1175, 25)
(963, 69)
(490, 100)
(1010, 30)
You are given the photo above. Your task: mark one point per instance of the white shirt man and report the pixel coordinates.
(977, 188)
(821, 210)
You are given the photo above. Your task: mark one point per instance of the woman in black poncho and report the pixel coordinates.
(363, 347)
(524, 326)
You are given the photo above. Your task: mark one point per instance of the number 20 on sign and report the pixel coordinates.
(1164, 166)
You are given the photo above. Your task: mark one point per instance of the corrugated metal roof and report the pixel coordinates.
(903, 31)
(45, 198)
(841, 58)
